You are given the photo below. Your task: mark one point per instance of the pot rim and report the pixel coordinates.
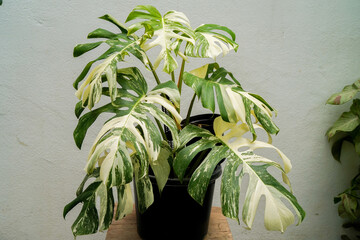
(176, 182)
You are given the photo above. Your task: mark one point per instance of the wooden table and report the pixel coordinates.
(125, 229)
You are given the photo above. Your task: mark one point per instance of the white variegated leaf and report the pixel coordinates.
(165, 32)
(90, 90)
(235, 104)
(125, 201)
(230, 142)
(210, 42)
(110, 150)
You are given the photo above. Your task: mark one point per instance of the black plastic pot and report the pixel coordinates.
(175, 215)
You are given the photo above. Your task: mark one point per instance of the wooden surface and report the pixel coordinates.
(125, 229)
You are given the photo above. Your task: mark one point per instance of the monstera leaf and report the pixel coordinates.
(133, 126)
(211, 42)
(121, 44)
(234, 103)
(88, 220)
(166, 30)
(229, 142)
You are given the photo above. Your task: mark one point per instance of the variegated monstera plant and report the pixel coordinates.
(133, 139)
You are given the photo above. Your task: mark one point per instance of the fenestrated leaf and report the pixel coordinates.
(347, 122)
(106, 211)
(101, 33)
(114, 21)
(166, 30)
(200, 179)
(234, 103)
(94, 174)
(210, 41)
(90, 90)
(345, 95)
(125, 201)
(88, 220)
(144, 190)
(80, 49)
(230, 189)
(88, 119)
(87, 194)
(186, 155)
(230, 143)
(79, 109)
(116, 168)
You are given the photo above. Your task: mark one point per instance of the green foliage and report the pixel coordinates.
(132, 140)
(347, 128)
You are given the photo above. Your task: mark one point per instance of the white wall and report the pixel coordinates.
(294, 53)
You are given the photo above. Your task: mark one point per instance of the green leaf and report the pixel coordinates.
(121, 134)
(90, 90)
(111, 19)
(144, 12)
(211, 42)
(200, 179)
(356, 141)
(106, 211)
(94, 174)
(229, 142)
(101, 33)
(345, 95)
(230, 189)
(161, 167)
(348, 206)
(234, 103)
(79, 109)
(355, 107)
(88, 221)
(125, 201)
(167, 31)
(80, 49)
(347, 122)
(88, 193)
(337, 147)
(186, 155)
(144, 190)
(87, 120)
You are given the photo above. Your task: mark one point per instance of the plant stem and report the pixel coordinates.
(179, 85)
(161, 130)
(173, 76)
(154, 72)
(158, 82)
(190, 109)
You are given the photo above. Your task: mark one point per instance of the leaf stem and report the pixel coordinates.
(190, 109)
(154, 72)
(161, 130)
(179, 85)
(173, 76)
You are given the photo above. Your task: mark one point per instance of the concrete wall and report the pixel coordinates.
(293, 53)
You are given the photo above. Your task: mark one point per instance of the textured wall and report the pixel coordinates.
(293, 53)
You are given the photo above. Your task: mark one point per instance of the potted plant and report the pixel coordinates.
(133, 141)
(347, 128)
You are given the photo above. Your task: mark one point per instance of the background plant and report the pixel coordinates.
(133, 140)
(347, 128)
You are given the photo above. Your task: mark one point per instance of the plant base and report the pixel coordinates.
(175, 214)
